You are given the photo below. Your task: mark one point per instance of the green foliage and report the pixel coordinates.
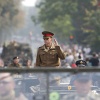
(80, 18)
(92, 27)
(9, 12)
(53, 17)
(10, 16)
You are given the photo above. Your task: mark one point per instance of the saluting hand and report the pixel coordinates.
(55, 42)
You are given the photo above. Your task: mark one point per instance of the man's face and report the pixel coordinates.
(29, 63)
(83, 88)
(6, 83)
(48, 41)
(16, 61)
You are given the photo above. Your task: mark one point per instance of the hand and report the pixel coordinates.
(55, 42)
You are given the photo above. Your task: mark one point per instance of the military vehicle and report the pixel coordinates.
(13, 48)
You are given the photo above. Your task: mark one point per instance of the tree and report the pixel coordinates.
(92, 27)
(53, 17)
(86, 21)
(11, 16)
(79, 18)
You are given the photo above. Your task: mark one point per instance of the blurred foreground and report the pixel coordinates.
(49, 84)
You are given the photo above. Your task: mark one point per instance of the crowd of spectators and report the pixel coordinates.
(76, 52)
(24, 52)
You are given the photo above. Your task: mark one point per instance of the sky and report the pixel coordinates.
(29, 3)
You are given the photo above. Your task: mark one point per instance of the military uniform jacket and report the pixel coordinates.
(15, 65)
(90, 96)
(49, 58)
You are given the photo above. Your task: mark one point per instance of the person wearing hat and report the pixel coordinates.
(50, 53)
(81, 63)
(15, 62)
(83, 85)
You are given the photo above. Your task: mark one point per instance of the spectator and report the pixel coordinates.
(1, 49)
(73, 65)
(88, 63)
(69, 59)
(1, 63)
(28, 63)
(94, 60)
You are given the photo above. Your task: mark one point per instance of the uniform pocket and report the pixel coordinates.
(53, 55)
(42, 56)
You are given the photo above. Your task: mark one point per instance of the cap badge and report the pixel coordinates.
(81, 62)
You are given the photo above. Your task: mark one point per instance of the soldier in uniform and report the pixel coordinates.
(50, 53)
(83, 85)
(7, 88)
(15, 62)
(81, 63)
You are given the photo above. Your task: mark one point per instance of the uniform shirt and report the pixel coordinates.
(15, 65)
(49, 57)
(90, 96)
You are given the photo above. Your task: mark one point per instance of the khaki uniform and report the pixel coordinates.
(15, 65)
(49, 57)
(90, 96)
